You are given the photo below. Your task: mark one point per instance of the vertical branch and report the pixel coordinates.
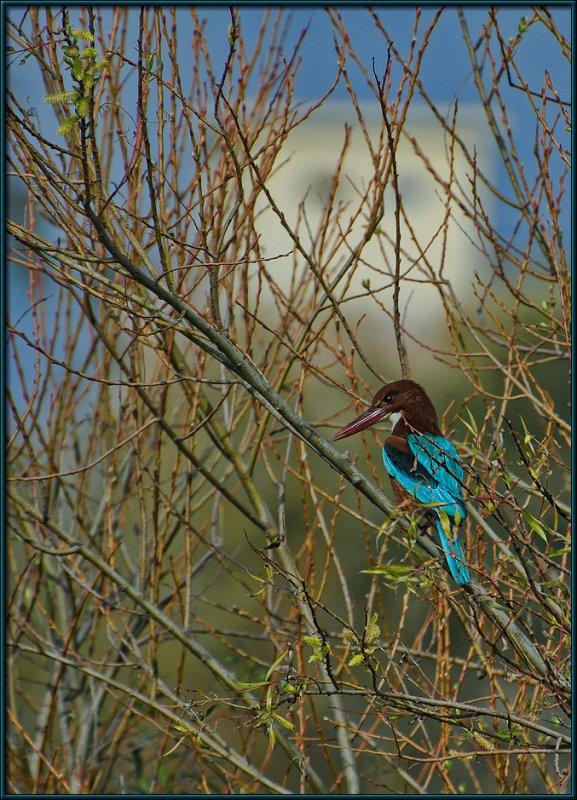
(392, 144)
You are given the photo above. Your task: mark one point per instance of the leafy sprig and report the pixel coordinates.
(84, 65)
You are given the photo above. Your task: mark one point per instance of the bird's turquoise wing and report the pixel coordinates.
(423, 475)
(441, 460)
(420, 483)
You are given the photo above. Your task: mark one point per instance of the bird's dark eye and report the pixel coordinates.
(388, 398)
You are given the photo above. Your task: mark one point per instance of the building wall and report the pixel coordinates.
(302, 184)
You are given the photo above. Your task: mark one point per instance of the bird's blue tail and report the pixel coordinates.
(455, 556)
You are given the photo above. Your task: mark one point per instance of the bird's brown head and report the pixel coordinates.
(403, 397)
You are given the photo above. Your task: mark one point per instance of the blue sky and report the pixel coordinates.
(446, 68)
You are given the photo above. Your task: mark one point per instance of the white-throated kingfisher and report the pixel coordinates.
(424, 467)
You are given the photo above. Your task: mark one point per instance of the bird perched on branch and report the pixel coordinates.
(423, 465)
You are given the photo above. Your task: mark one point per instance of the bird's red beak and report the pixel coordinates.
(366, 419)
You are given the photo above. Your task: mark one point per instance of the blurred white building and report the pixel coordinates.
(301, 188)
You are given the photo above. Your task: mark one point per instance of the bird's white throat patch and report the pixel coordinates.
(395, 417)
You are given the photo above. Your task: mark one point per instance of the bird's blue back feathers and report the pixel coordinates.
(441, 460)
(432, 473)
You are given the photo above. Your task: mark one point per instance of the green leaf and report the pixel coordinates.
(254, 685)
(373, 633)
(527, 435)
(510, 733)
(315, 657)
(535, 525)
(271, 736)
(172, 749)
(83, 107)
(472, 426)
(77, 70)
(295, 691)
(68, 124)
(100, 65)
(79, 33)
(275, 664)
(394, 571)
(444, 517)
(60, 97)
(183, 728)
(282, 721)
(356, 660)
(483, 741)
(209, 710)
